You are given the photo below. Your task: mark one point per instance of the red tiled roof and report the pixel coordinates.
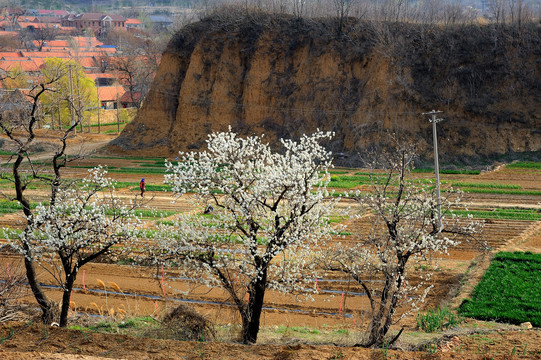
(25, 65)
(53, 12)
(110, 93)
(100, 16)
(48, 19)
(46, 54)
(39, 62)
(57, 43)
(128, 98)
(8, 33)
(88, 53)
(11, 54)
(100, 76)
(25, 25)
(107, 50)
(133, 21)
(87, 62)
(87, 41)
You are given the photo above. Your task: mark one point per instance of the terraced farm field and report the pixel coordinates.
(512, 221)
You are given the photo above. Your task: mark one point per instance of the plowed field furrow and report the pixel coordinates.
(495, 199)
(496, 233)
(142, 293)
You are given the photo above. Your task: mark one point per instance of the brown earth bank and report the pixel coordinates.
(284, 76)
(34, 341)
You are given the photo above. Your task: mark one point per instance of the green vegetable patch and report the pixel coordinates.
(509, 291)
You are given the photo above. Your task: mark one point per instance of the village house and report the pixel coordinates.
(98, 22)
(47, 13)
(109, 96)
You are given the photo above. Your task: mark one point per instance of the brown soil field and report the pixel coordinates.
(141, 293)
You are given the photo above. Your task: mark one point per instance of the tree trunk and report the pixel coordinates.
(250, 321)
(379, 324)
(66, 298)
(47, 307)
(375, 336)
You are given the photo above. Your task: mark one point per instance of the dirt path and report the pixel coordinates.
(76, 146)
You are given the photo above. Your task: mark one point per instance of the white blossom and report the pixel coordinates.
(82, 224)
(404, 230)
(270, 210)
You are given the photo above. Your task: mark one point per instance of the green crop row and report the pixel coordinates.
(130, 170)
(336, 172)
(148, 213)
(128, 158)
(13, 206)
(525, 165)
(502, 191)
(509, 290)
(91, 167)
(507, 214)
(463, 172)
(349, 182)
(485, 185)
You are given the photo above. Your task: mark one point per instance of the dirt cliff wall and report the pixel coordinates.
(284, 76)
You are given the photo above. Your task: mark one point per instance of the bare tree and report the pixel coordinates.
(497, 10)
(299, 8)
(279, 6)
(12, 279)
(136, 72)
(342, 9)
(31, 36)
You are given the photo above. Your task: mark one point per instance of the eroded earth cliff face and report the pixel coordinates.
(283, 77)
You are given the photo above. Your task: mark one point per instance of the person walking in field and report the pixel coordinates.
(142, 186)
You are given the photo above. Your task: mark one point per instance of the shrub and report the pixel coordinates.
(12, 279)
(436, 320)
(184, 323)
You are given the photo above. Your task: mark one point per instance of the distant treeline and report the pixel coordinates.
(420, 11)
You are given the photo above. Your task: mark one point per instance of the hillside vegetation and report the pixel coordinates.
(284, 76)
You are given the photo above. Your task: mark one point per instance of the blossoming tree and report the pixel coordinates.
(79, 226)
(19, 119)
(269, 211)
(404, 229)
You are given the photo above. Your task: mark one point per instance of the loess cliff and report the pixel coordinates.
(284, 76)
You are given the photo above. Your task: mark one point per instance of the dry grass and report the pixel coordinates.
(184, 323)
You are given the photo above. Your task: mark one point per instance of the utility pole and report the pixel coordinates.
(59, 118)
(80, 110)
(117, 112)
(99, 106)
(71, 96)
(434, 121)
(71, 99)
